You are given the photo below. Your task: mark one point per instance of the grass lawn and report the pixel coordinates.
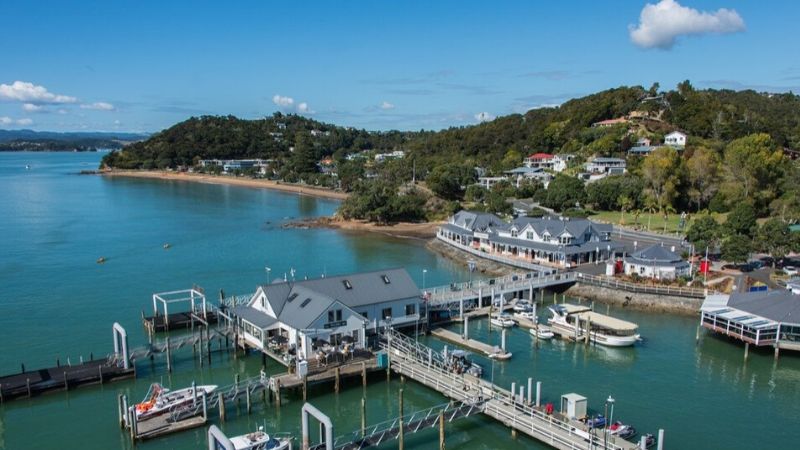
(649, 222)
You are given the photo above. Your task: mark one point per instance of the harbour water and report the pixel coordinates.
(57, 302)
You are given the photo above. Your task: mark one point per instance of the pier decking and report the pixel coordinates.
(34, 382)
(492, 351)
(178, 321)
(408, 358)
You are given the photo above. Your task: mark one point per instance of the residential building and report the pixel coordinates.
(675, 139)
(296, 315)
(516, 176)
(397, 154)
(540, 161)
(641, 150)
(555, 241)
(490, 182)
(643, 141)
(656, 262)
(608, 166)
(761, 318)
(561, 161)
(610, 122)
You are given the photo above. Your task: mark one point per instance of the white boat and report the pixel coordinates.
(522, 306)
(160, 400)
(542, 332)
(527, 315)
(502, 321)
(571, 320)
(259, 440)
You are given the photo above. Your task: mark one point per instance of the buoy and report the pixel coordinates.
(166, 246)
(101, 260)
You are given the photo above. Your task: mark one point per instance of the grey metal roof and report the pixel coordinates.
(477, 221)
(254, 316)
(555, 226)
(305, 308)
(567, 249)
(642, 149)
(524, 170)
(657, 253)
(780, 305)
(601, 160)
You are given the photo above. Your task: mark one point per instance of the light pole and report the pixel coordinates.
(425, 300)
(268, 270)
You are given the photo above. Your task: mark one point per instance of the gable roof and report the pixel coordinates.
(477, 221)
(780, 305)
(556, 226)
(541, 156)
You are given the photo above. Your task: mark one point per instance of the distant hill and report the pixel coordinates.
(16, 140)
(712, 117)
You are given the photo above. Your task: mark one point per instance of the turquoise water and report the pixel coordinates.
(57, 302)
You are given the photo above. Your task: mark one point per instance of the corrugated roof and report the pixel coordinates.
(304, 309)
(254, 316)
(780, 305)
(657, 254)
(477, 221)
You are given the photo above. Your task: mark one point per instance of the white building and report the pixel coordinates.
(529, 173)
(561, 160)
(292, 316)
(608, 166)
(656, 262)
(675, 139)
(539, 161)
(490, 182)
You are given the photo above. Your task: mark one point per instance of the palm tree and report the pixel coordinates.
(625, 203)
(651, 206)
(667, 211)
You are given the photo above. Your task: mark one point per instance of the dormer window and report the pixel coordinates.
(292, 297)
(347, 284)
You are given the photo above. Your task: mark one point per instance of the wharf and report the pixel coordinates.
(60, 378)
(178, 321)
(161, 425)
(360, 365)
(486, 311)
(492, 351)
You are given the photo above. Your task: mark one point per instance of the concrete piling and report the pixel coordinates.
(363, 417)
(441, 431)
(660, 444)
(169, 356)
(336, 380)
(401, 434)
(746, 350)
(530, 389)
(363, 374)
(221, 406)
(538, 393)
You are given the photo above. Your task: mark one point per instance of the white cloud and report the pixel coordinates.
(98, 106)
(283, 102)
(22, 91)
(303, 108)
(30, 107)
(386, 105)
(484, 117)
(5, 120)
(24, 122)
(661, 24)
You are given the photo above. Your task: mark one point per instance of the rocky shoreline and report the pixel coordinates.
(406, 230)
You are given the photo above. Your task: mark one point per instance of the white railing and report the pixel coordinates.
(516, 262)
(612, 283)
(468, 290)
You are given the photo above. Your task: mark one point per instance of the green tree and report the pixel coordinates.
(753, 165)
(775, 239)
(349, 173)
(704, 233)
(564, 192)
(625, 203)
(736, 248)
(303, 159)
(496, 203)
(741, 220)
(661, 171)
(449, 180)
(702, 171)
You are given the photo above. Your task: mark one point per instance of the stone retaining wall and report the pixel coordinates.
(648, 302)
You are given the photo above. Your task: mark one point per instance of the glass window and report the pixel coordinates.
(338, 314)
(529, 235)
(386, 313)
(411, 309)
(330, 316)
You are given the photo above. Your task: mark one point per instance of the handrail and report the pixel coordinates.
(633, 287)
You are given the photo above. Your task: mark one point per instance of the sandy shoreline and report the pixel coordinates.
(425, 230)
(231, 181)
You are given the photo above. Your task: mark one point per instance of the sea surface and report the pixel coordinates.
(57, 302)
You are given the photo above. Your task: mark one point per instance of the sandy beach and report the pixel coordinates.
(232, 181)
(425, 230)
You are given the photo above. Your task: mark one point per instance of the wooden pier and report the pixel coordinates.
(60, 378)
(185, 320)
(492, 351)
(510, 408)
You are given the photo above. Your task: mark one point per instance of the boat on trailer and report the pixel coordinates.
(260, 440)
(572, 320)
(160, 400)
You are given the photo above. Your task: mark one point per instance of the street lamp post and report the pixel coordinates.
(268, 270)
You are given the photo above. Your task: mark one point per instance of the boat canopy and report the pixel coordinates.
(610, 323)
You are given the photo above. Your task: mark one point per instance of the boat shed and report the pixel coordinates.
(293, 317)
(761, 318)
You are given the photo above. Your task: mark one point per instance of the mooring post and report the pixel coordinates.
(522, 394)
(503, 339)
(134, 424)
(364, 373)
(777, 352)
(278, 391)
(697, 335)
(588, 331)
(169, 357)
(401, 434)
(100, 369)
(660, 444)
(363, 417)
(513, 393)
(28, 385)
(555, 300)
(441, 430)
(305, 388)
(530, 390)
(205, 405)
(221, 406)
(538, 393)
(643, 443)
(120, 410)
(247, 399)
(336, 380)
(208, 347)
(746, 350)
(466, 328)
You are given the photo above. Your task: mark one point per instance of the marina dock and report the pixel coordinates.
(60, 378)
(492, 351)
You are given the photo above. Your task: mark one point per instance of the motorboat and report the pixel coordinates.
(573, 320)
(526, 315)
(260, 440)
(622, 430)
(542, 332)
(598, 421)
(459, 362)
(503, 321)
(522, 306)
(649, 440)
(160, 400)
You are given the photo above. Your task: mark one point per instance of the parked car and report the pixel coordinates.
(755, 264)
(790, 270)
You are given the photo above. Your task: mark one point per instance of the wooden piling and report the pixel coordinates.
(363, 374)
(305, 388)
(746, 350)
(697, 335)
(777, 352)
(100, 370)
(247, 398)
(169, 357)
(441, 431)
(28, 385)
(208, 347)
(336, 381)
(66, 382)
(221, 406)
(363, 417)
(278, 392)
(400, 435)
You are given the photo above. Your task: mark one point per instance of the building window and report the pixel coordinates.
(292, 297)
(330, 316)
(411, 309)
(338, 315)
(513, 233)
(305, 302)
(335, 315)
(364, 314)
(529, 235)
(386, 313)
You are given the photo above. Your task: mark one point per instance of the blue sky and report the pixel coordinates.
(143, 66)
